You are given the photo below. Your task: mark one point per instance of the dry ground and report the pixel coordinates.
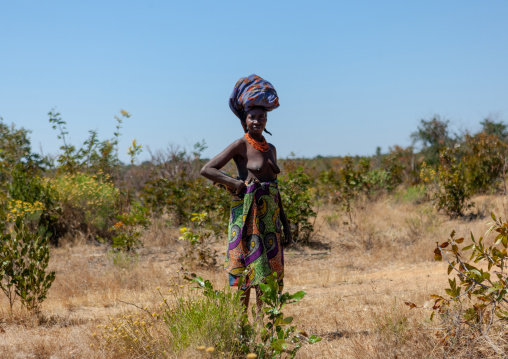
(356, 279)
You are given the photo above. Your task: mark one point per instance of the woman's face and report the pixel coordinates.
(256, 121)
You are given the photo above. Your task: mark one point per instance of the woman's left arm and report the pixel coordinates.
(288, 238)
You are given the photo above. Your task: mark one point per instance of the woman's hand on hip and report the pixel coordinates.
(240, 186)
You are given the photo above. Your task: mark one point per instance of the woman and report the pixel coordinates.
(255, 243)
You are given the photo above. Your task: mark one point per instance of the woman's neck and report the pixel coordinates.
(258, 138)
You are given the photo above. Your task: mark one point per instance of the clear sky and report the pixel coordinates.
(351, 75)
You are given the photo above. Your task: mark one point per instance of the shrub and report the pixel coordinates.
(453, 194)
(24, 259)
(408, 162)
(176, 188)
(88, 203)
(394, 172)
(297, 202)
(484, 159)
(126, 231)
(15, 150)
(181, 197)
(211, 318)
(190, 320)
(278, 338)
(348, 183)
(186, 320)
(200, 253)
(25, 210)
(434, 137)
(386, 178)
(474, 309)
(34, 196)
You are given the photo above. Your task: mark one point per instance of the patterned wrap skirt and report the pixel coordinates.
(254, 234)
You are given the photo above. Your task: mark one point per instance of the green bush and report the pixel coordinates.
(212, 318)
(186, 321)
(453, 195)
(348, 183)
(200, 251)
(24, 259)
(278, 338)
(379, 180)
(28, 187)
(297, 199)
(181, 197)
(127, 231)
(473, 314)
(15, 150)
(403, 163)
(89, 203)
(192, 319)
(434, 137)
(484, 159)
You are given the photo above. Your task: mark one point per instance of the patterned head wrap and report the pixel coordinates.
(252, 91)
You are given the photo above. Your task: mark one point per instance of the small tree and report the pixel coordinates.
(434, 137)
(348, 183)
(15, 150)
(493, 128)
(453, 194)
(483, 161)
(475, 303)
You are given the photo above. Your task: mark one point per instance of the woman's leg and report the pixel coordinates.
(259, 302)
(246, 297)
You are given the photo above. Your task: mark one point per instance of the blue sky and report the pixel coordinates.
(351, 75)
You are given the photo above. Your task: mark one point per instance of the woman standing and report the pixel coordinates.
(257, 217)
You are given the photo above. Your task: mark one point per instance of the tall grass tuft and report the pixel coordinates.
(185, 322)
(209, 318)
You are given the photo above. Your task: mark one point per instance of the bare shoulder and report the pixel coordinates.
(241, 143)
(274, 150)
(236, 145)
(235, 149)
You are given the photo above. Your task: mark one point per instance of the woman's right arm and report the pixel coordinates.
(211, 170)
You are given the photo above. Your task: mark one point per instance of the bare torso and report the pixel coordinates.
(252, 163)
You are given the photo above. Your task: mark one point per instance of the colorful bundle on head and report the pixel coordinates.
(252, 91)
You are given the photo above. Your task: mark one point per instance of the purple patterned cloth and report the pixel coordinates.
(252, 91)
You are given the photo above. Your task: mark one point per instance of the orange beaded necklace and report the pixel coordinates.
(260, 146)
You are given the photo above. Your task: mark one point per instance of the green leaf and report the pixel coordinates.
(476, 271)
(288, 320)
(450, 268)
(468, 247)
(313, 339)
(450, 292)
(298, 295)
(279, 345)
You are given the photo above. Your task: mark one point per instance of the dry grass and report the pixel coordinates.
(356, 278)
